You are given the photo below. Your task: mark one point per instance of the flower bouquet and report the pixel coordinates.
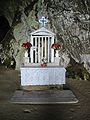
(26, 45)
(56, 47)
(43, 65)
(44, 62)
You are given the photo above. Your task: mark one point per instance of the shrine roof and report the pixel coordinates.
(43, 31)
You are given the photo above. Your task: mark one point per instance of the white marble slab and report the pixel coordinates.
(42, 75)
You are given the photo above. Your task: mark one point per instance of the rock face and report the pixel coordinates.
(70, 20)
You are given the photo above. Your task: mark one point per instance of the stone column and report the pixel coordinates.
(45, 48)
(42, 47)
(39, 49)
(31, 52)
(48, 49)
(35, 49)
(52, 50)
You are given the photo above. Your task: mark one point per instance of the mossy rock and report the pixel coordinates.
(70, 72)
(10, 62)
(77, 71)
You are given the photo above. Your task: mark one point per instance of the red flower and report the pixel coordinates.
(56, 46)
(27, 45)
(44, 65)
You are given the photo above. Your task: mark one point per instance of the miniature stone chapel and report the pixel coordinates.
(41, 67)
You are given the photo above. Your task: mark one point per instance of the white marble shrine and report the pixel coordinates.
(42, 40)
(33, 72)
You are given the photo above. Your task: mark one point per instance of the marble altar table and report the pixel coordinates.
(31, 75)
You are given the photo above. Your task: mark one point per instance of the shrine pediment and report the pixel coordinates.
(42, 32)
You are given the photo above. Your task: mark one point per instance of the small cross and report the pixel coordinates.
(43, 21)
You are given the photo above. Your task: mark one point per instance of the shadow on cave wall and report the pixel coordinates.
(4, 27)
(77, 70)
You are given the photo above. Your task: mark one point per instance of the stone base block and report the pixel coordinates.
(57, 60)
(26, 60)
(42, 87)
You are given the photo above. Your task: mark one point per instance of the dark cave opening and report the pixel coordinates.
(4, 27)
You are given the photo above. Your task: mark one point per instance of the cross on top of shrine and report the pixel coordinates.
(43, 21)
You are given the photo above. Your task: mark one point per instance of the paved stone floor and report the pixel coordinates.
(10, 82)
(54, 96)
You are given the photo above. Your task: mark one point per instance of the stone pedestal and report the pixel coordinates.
(26, 60)
(57, 53)
(26, 53)
(57, 61)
